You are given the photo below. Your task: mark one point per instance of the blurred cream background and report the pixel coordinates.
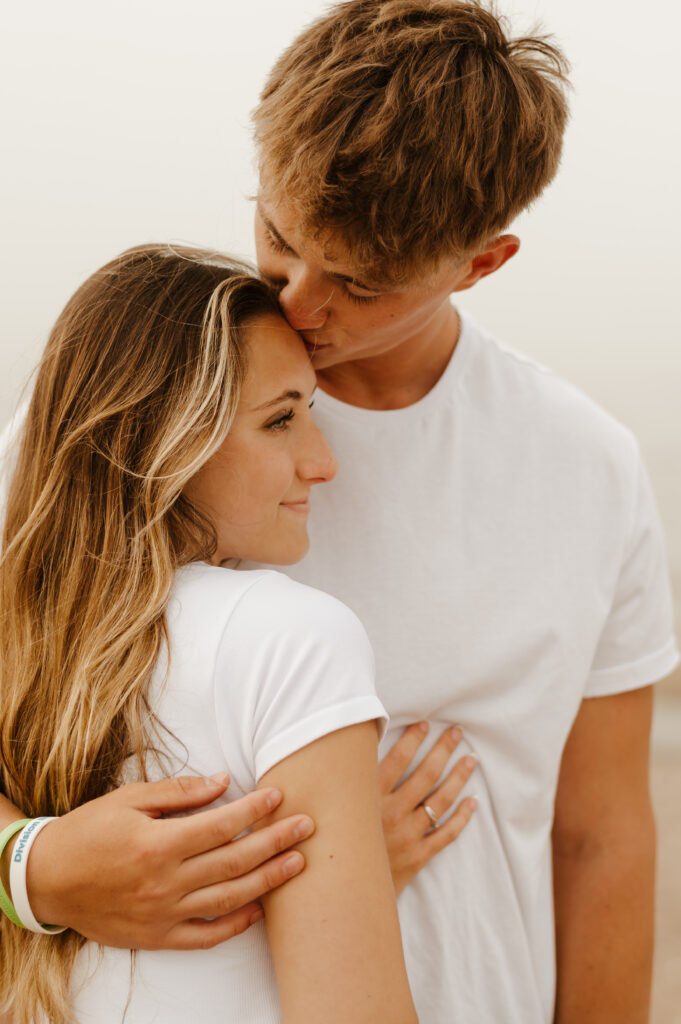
(130, 122)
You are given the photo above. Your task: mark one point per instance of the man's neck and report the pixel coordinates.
(401, 376)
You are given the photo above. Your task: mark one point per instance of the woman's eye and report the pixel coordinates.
(281, 422)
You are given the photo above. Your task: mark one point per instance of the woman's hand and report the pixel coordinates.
(409, 836)
(119, 873)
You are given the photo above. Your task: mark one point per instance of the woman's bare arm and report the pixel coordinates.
(119, 873)
(334, 931)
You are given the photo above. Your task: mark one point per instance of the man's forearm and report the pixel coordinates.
(604, 899)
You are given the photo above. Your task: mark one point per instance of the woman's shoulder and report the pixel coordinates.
(267, 603)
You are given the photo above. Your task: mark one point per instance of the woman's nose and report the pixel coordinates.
(318, 465)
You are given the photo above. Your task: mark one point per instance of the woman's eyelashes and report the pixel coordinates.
(281, 422)
(283, 419)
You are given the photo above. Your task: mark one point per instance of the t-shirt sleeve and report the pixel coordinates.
(637, 645)
(293, 665)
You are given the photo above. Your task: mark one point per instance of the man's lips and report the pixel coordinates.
(311, 343)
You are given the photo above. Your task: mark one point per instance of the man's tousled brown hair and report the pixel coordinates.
(412, 129)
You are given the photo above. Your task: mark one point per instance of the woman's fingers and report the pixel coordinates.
(452, 828)
(399, 757)
(426, 776)
(410, 837)
(445, 795)
(243, 855)
(226, 897)
(199, 833)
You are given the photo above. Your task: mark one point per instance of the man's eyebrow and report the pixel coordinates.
(330, 273)
(292, 396)
(272, 230)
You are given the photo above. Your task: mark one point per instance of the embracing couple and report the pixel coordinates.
(490, 528)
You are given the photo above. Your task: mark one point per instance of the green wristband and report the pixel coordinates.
(8, 833)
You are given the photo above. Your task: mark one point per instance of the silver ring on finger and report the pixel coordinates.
(431, 815)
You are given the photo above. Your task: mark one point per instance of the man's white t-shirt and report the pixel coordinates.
(499, 542)
(260, 666)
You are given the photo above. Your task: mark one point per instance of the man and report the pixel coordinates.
(492, 528)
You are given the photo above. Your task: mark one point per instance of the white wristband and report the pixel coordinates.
(17, 878)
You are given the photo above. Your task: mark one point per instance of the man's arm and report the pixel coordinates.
(121, 874)
(604, 864)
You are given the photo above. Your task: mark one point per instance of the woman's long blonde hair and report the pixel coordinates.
(137, 388)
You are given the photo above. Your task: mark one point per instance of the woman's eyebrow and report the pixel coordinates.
(291, 396)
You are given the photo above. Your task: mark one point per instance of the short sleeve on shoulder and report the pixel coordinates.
(637, 645)
(293, 665)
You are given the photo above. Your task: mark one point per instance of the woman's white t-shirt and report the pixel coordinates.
(259, 667)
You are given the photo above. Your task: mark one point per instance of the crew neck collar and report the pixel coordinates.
(431, 399)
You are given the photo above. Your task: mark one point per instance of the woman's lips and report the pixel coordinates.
(300, 507)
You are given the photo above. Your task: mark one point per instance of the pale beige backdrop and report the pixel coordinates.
(129, 122)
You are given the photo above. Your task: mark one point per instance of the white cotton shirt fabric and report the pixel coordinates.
(499, 542)
(260, 666)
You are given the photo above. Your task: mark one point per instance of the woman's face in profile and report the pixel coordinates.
(256, 488)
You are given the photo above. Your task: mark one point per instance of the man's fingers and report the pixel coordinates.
(399, 757)
(206, 934)
(243, 855)
(169, 795)
(422, 782)
(199, 833)
(445, 795)
(226, 897)
(452, 828)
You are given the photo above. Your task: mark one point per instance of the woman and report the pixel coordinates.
(169, 433)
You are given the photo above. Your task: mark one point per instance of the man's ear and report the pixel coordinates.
(492, 258)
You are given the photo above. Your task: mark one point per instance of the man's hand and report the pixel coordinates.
(119, 873)
(604, 864)
(409, 837)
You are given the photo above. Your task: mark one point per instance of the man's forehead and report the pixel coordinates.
(324, 246)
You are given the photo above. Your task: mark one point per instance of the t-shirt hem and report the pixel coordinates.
(604, 682)
(361, 709)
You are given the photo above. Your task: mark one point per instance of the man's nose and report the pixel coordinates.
(305, 306)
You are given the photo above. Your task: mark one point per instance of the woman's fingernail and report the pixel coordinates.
(456, 733)
(220, 779)
(303, 828)
(256, 916)
(292, 864)
(469, 762)
(423, 727)
(473, 801)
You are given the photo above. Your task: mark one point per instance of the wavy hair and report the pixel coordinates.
(414, 130)
(137, 388)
